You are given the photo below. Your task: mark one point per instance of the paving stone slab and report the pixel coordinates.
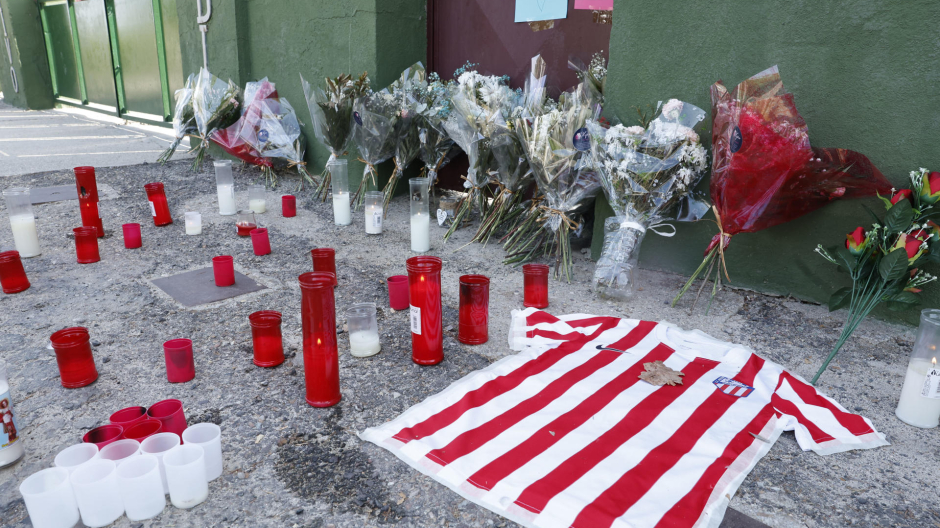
(194, 288)
(58, 193)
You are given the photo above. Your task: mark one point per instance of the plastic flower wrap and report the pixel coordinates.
(645, 174)
(434, 106)
(764, 171)
(555, 144)
(230, 138)
(275, 134)
(331, 116)
(184, 122)
(374, 136)
(407, 92)
(215, 106)
(477, 114)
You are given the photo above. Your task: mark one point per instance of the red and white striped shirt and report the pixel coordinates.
(565, 433)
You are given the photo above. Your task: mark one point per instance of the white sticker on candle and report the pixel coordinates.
(441, 217)
(377, 219)
(415, 320)
(931, 387)
(153, 210)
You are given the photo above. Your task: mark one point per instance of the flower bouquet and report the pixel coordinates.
(215, 106)
(331, 115)
(374, 136)
(433, 108)
(274, 132)
(764, 171)
(555, 145)
(230, 138)
(885, 263)
(645, 173)
(184, 122)
(408, 92)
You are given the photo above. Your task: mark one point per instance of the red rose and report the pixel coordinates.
(856, 241)
(903, 194)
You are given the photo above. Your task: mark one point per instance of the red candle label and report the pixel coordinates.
(153, 210)
(415, 320)
(9, 435)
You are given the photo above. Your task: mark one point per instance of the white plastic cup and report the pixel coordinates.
(141, 487)
(159, 445)
(49, 499)
(186, 473)
(208, 436)
(97, 493)
(74, 456)
(120, 451)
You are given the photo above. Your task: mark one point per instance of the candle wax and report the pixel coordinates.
(193, 228)
(364, 343)
(256, 205)
(24, 235)
(341, 213)
(420, 233)
(227, 200)
(244, 228)
(913, 407)
(373, 220)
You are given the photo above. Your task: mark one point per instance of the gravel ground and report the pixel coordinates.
(288, 464)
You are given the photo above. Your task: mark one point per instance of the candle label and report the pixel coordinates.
(441, 217)
(931, 387)
(8, 435)
(377, 220)
(415, 320)
(153, 210)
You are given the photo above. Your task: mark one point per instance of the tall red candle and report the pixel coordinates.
(158, 205)
(87, 189)
(427, 330)
(324, 259)
(321, 355)
(73, 355)
(86, 245)
(473, 328)
(12, 275)
(535, 285)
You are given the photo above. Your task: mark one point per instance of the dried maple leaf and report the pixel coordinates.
(657, 373)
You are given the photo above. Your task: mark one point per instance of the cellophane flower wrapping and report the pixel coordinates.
(215, 106)
(275, 133)
(331, 115)
(434, 107)
(230, 138)
(645, 174)
(374, 136)
(184, 122)
(407, 92)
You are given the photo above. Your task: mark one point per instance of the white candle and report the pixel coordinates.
(341, 212)
(364, 343)
(420, 233)
(914, 408)
(24, 235)
(256, 205)
(374, 220)
(227, 200)
(193, 223)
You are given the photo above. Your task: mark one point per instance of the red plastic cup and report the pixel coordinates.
(321, 353)
(535, 285)
(260, 242)
(324, 260)
(473, 327)
(87, 189)
(266, 338)
(12, 275)
(103, 435)
(223, 267)
(424, 293)
(398, 292)
(289, 205)
(170, 414)
(143, 429)
(73, 355)
(86, 245)
(131, 236)
(158, 205)
(178, 354)
(129, 416)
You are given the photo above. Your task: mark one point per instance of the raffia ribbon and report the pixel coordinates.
(549, 213)
(723, 241)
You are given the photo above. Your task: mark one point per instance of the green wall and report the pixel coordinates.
(29, 56)
(865, 74)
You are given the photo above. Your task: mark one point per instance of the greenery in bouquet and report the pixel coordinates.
(886, 262)
(375, 117)
(408, 94)
(215, 107)
(433, 109)
(184, 121)
(331, 116)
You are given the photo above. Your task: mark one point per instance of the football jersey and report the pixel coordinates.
(565, 433)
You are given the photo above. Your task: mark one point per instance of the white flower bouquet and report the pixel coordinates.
(184, 122)
(407, 93)
(215, 107)
(373, 133)
(434, 107)
(274, 132)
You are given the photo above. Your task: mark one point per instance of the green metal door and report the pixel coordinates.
(57, 28)
(137, 42)
(92, 26)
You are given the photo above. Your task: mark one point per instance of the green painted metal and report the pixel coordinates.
(161, 58)
(92, 27)
(58, 28)
(50, 53)
(171, 41)
(137, 43)
(77, 48)
(28, 57)
(115, 56)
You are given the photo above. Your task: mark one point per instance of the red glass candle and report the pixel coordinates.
(73, 354)
(129, 416)
(266, 338)
(143, 429)
(12, 275)
(427, 331)
(103, 435)
(324, 260)
(86, 245)
(178, 355)
(398, 292)
(260, 242)
(223, 269)
(170, 414)
(289, 205)
(88, 198)
(131, 235)
(473, 327)
(321, 356)
(535, 285)
(158, 206)
(245, 222)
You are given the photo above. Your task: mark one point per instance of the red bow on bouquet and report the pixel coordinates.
(764, 171)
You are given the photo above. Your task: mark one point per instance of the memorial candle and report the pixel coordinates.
(159, 207)
(193, 223)
(22, 221)
(321, 354)
(225, 187)
(427, 332)
(245, 222)
(420, 215)
(87, 188)
(374, 212)
(342, 215)
(256, 198)
(919, 404)
(363, 330)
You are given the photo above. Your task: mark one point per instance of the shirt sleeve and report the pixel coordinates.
(819, 422)
(531, 327)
